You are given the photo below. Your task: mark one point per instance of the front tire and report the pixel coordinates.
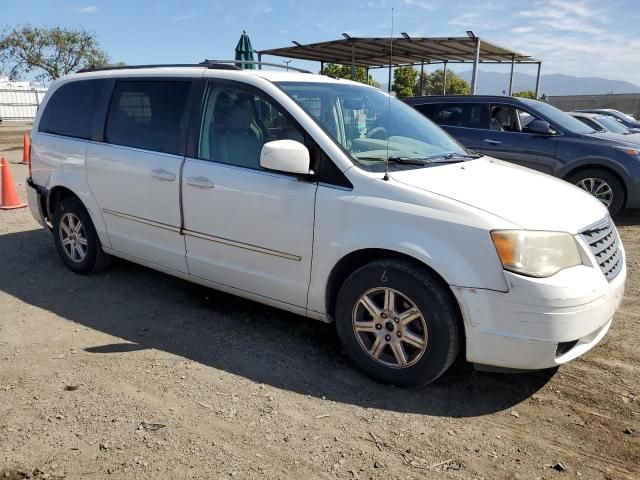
(603, 185)
(76, 239)
(398, 323)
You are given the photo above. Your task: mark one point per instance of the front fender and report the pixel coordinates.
(443, 237)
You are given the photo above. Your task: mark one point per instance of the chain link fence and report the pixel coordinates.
(20, 104)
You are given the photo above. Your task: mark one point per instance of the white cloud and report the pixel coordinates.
(183, 17)
(424, 4)
(86, 9)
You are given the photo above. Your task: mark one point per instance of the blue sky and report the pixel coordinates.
(576, 37)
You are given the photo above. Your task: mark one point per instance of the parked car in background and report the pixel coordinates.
(627, 120)
(329, 199)
(539, 136)
(604, 123)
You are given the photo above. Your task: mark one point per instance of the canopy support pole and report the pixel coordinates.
(259, 60)
(353, 61)
(444, 78)
(389, 86)
(476, 60)
(421, 77)
(321, 68)
(513, 63)
(538, 80)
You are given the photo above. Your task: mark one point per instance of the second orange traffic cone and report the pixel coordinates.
(10, 197)
(26, 147)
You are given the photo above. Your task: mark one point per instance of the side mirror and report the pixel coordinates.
(285, 156)
(540, 126)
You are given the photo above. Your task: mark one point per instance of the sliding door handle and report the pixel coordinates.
(162, 174)
(199, 182)
(492, 142)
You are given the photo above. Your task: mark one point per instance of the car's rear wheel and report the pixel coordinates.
(398, 323)
(76, 239)
(603, 185)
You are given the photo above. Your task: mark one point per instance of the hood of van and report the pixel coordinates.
(532, 200)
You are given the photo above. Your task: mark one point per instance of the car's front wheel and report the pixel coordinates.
(603, 185)
(398, 323)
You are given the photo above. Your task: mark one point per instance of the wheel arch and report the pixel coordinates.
(358, 258)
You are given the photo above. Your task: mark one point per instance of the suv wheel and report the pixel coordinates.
(76, 238)
(603, 185)
(397, 323)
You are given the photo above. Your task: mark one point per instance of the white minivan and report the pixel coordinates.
(330, 199)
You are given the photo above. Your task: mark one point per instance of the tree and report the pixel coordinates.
(50, 51)
(526, 94)
(404, 81)
(344, 71)
(456, 85)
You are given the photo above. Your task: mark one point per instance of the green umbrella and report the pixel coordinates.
(244, 51)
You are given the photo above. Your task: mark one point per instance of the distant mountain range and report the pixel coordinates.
(493, 83)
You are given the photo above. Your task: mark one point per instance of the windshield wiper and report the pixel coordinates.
(452, 157)
(401, 160)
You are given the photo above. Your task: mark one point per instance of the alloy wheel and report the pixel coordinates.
(73, 237)
(598, 188)
(390, 327)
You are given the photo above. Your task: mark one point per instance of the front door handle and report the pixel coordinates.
(492, 142)
(162, 174)
(200, 182)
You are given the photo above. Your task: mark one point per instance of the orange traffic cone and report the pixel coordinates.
(9, 195)
(26, 150)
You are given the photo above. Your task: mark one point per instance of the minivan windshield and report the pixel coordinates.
(371, 126)
(559, 118)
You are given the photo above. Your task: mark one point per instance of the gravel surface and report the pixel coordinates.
(134, 374)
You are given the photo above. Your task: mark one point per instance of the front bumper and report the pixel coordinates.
(540, 323)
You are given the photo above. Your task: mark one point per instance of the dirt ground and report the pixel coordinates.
(134, 374)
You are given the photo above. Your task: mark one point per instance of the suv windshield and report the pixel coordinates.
(559, 118)
(365, 121)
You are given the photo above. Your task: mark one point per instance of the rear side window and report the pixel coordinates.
(149, 115)
(468, 115)
(71, 110)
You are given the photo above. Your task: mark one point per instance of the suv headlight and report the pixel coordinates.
(535, 253)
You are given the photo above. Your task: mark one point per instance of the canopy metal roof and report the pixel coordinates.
(374, 52)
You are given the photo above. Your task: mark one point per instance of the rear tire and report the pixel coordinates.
(76, 239)
(603, 185)
(374, 312)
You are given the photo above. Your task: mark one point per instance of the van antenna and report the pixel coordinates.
(386, 159)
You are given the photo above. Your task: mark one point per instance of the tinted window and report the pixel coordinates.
(468, 115)
(590, 123)
(148, 115)
(236, 123)
(70, 111)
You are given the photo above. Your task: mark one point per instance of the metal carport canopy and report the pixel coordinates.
(375, 52)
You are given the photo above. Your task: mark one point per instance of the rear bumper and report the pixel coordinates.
(35, 196)
(540, 323)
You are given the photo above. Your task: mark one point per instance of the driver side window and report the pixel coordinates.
(236, 123)
(506, 118)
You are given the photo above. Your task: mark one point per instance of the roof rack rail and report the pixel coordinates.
(221, 66)
(253, 62)
(212, 64)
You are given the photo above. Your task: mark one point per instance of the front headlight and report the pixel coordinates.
(534, 253)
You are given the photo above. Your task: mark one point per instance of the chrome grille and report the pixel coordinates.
(603, 242)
